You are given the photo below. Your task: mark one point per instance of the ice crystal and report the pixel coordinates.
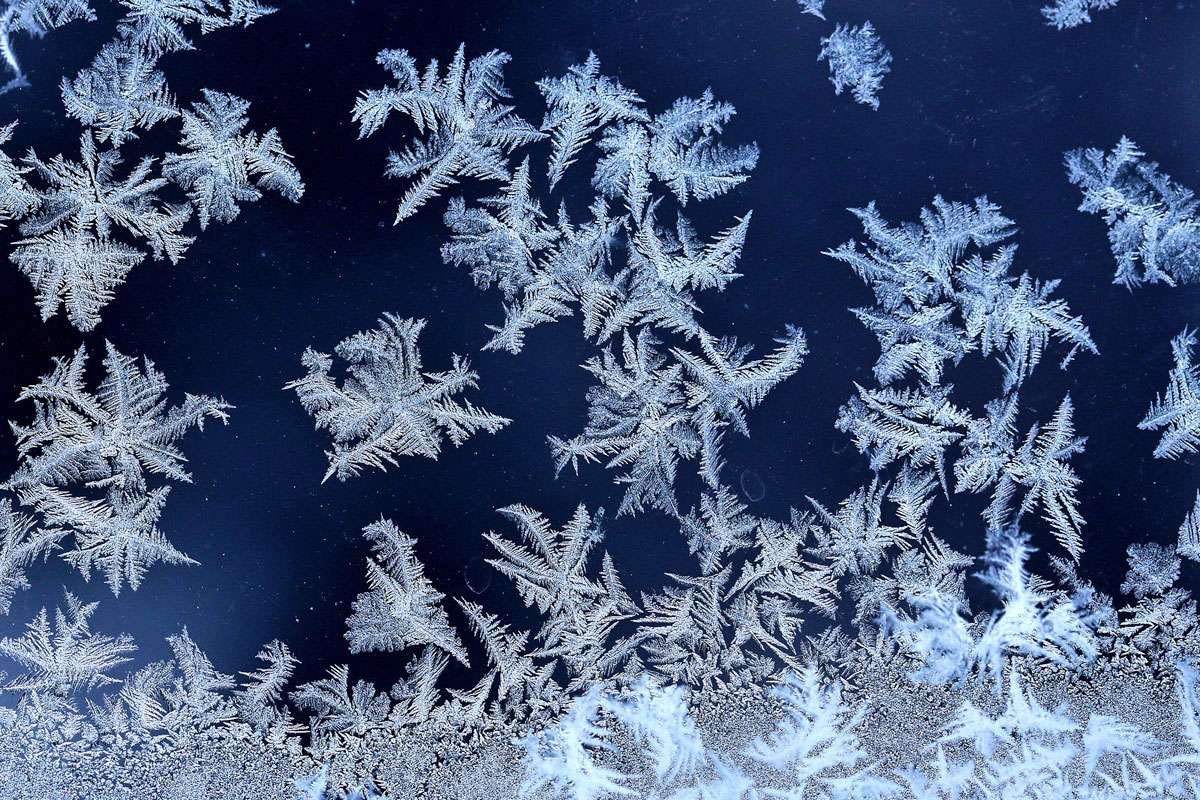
(814, 7)
(69, 252)
(35, 18)
(818, 736)
(580, 103)
(402, 609)
(468, 131)
(1071, 13)
(223, 165)
(1153, 223)
(122, 91)
(21, 543)
(1189, 533)
(1178, 410)
(110, 443)
(934, 303)
(64, 656)
(387, 407)
(858, 61)
(648, 414)
(1152, 570)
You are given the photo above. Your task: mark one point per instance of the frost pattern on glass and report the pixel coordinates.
(85, 225)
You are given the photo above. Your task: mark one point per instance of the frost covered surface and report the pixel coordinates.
(842, 650)
(858, 61)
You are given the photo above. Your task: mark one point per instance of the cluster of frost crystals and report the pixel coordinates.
(944, 289)
(387, 406)
(87, 461)
(647, 414)
(631, 278)
(85, 224)
(1072, 13)
(1153, 222)
(858, 61)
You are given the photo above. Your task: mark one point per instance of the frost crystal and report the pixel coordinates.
(21, 543)
(36, 18)
(814, 7)
(223, 165)
(1152, 570)
(122, 91)
(1189, 533)
(470, 133)
(1153, 223)
(647, 415)
(387, 407)
(857, 61)
(402, 609)
(580, 103)
(86, 459)
(1178, 411)
(69, 253)
(65, 656)
(1071, 13)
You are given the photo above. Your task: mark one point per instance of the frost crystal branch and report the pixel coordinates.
(21, 543)
(402, 609)
(1178, 411)
(387, 407)
(36, 18)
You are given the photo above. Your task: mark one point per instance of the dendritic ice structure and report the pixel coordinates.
(87, 461)
(468, 131)
(1153, 222)
(85, 224)
(402, 609)
(1072, 13)
(223, 165)
(997, 689)
(633, 279)
(647, 414)
(858, 61)
(944, 289)
(387, 407)
(34, 18)
(1177, 411)
(544, 268)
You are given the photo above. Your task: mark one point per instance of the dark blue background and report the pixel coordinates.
(983, 98)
